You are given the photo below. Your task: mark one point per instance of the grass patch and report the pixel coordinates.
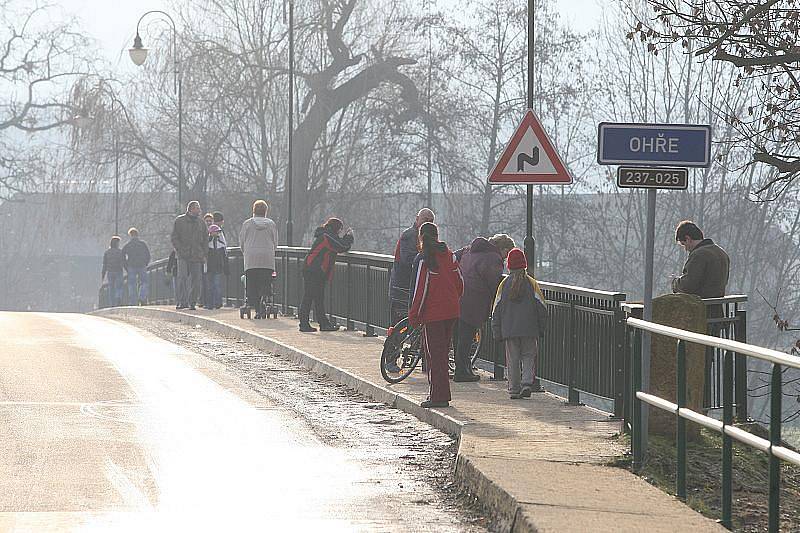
(704, 481)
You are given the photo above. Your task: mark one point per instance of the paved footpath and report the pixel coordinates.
(538, 464)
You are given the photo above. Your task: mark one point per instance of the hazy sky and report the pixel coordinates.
(113, 23)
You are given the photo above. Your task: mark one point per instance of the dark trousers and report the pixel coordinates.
(398, 310)
(313, 294)
(465, 334)
(257, 282)
(436, 337)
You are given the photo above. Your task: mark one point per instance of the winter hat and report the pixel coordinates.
(213, 228)
(516, 259)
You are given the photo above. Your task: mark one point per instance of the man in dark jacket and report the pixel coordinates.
(137, 257)
(482, 267)
(400, 278)
(190, 240)
(318, 270)
(707, 268)
(113, 265)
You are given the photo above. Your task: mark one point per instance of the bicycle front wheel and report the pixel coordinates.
(401, 352)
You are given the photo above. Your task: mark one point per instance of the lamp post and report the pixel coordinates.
(138, 55)
(289, 168)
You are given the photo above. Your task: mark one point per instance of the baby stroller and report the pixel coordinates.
(267, 306)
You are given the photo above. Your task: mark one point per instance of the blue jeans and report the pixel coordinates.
(214, 295)
(114, 288)
(137, 276)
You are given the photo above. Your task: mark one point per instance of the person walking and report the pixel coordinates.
(400, 278)
(113, 265)
(435, 295)
(707, 268)
(258, 239)
(519, 318)
(217, 266)
(190, 240)
(318, 270)
(137, 257)
(481, 265)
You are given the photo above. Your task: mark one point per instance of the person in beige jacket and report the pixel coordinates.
(258, 239)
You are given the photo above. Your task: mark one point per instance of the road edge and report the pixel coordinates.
(507, 513)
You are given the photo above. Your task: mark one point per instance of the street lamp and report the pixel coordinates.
(289, 169)
(138, 55)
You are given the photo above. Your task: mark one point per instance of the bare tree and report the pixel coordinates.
(760, 40)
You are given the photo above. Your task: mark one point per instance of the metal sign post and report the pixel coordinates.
(654, 149)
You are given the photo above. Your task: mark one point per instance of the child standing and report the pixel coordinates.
(217, 266)
(519, 318)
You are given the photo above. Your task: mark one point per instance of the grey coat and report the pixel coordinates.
(259, 240)
(705, 272)
(526, 317)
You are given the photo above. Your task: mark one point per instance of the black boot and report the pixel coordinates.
(305, 327)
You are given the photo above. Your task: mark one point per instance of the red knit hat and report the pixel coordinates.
(516, 259)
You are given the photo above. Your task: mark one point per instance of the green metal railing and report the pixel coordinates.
(729, 348)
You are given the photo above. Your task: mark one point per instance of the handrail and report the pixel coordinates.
(773, 447)
(765, 354)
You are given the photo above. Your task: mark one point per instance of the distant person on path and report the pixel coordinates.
(258, 239)
(113, 265)
(208, 218)
(707, 268)
(435, 294)
(217, 266)
(481, 265)
(404, 253)
(190, 241)
(318, 270)
(519, 318)
(137, 257)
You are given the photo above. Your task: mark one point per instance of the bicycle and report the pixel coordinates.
(402, 351)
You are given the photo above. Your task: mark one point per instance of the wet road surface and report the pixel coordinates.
(109, 428)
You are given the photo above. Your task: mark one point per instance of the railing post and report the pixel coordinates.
(350, 325)
(727, 442)
(619, 363)
(776, 413)
(741, 367)
(680, 480)
(369, 329)
(573, 396)
(636, 382)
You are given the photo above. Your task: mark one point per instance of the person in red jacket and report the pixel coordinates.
(437, 287)
(318, 271)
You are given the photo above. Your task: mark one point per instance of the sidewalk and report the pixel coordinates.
(538, 464)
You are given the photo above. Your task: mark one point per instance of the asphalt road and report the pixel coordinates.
(104, 427)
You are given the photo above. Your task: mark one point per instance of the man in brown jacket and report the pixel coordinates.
(707, 267)
(190, 240)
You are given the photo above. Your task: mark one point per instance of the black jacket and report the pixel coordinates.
(113, 261)
(404, 254)
(137, 254)
(217, 262)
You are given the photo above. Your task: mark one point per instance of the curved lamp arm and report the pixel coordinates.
(139, 53)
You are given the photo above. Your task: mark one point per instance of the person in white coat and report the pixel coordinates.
(258, 239)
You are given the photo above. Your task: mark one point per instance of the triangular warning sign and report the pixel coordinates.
(529, 157)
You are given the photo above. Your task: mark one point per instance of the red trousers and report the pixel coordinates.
(436, 338)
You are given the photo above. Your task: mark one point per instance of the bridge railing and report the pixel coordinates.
(729, 349)
(582, 352)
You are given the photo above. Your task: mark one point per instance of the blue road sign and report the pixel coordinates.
(684, 145)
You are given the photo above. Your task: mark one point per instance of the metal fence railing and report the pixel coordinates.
(729, 350)
(726, 319)
(582, 351)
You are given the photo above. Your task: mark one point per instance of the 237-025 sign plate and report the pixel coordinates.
(652, 178)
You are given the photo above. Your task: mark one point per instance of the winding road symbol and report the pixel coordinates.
(532, 159)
